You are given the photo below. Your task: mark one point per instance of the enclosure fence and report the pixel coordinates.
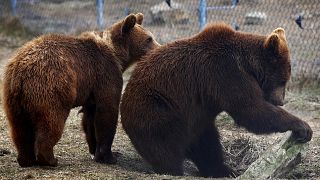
(169, 20)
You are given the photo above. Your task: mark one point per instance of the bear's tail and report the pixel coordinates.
(20, 124)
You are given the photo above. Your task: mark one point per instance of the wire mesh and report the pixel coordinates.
(73, 17)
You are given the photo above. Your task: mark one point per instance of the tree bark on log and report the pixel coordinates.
(277, 160)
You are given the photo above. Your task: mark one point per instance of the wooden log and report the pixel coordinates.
(278, 160)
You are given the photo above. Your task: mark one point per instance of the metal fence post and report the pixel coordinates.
(202, 13)
(13, 4)
(126, 11)
(100, 8)
(234, 2)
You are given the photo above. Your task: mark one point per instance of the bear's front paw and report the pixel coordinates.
(302, 132)
(51, 162)
(107, 159)
(26, 162)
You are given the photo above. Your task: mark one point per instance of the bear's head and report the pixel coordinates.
(132, 38)
(277, 69)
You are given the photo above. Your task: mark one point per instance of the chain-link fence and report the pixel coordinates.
(172, 19)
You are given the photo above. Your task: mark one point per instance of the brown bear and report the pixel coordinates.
(54, 73)
(176, 91)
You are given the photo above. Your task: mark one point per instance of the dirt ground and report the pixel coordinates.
(241, 148)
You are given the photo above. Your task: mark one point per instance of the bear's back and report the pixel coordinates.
(48, 47)
(186, 58)
(196, 65)
(53, 50)
(218, 46)
(52, 59)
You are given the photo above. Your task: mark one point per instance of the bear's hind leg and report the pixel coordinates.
(162, 144)
(170, 163)
(206, 153)
(105, 123)
(88, 126)
(166, 156)
(22, 133)
(49, 126)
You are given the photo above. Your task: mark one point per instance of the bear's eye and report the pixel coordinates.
(149, 40)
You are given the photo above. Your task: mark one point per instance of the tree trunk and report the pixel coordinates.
(276, 161)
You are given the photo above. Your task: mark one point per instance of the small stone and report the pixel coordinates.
(162, 13)
(255, 18)
(28, 176)
(4, 152)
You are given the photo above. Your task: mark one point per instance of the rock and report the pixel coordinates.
(162, 13)
(28, 176)
(4, 152)
(255, 18)
(278, 160)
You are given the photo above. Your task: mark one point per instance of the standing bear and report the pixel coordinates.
(54, 73)
(176, 91)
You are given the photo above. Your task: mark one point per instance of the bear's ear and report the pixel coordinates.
(139, 17)
(280, 32)
(274, 39)
(128, 24)
(272, 43)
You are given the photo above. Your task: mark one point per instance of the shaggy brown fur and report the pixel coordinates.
(54, 73)
(176, 91)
